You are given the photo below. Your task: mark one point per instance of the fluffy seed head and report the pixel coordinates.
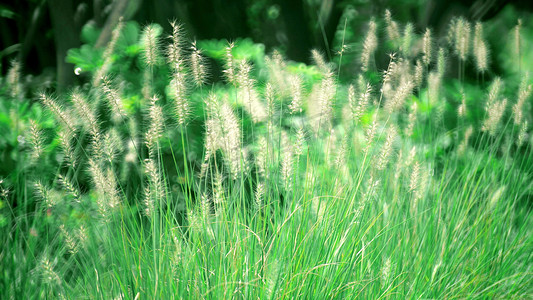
(232, 137)
(296, 93)
(320, 109)
(69, 187)
(407, 39)
(61, 114)
(66, 137)
(393, 31)
(44, 194)
(229, 67)
(524, 92)
(82, 236)
(99, 180)
(85, 112)
(462, 147)
(522, 133)
(205, 206)
(114, 99)
(369, 45)
(495, 112)
(461, 37)
(223, 132)
(150, 43)
(320, 62)
(248, 94)
(300, 141)
(154, 133)
(386, 150)
(517, 43)
(461, 110)
(481, 51)
(108, 52)
(441, 62)
(352, 101)
(70, 241)
(370, 135)
(495, 91)
(47, 273)
(153, 192)
(362, 102)
(411, 156)
(259, 195)
(173, 52)
(434, 85)
(415, 177)
(419, 74)
(269, 96)
(178, 95)
(426, 47)
(219, 193)
(111, 145)
(13, 79)
(105, 185)
(115, 34)
(199, 72)
(36, 141)
(372, 188)
(411, 119)
(262, 156)
(400, 96)
(287, 167)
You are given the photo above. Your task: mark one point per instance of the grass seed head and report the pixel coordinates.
(229, 64)
(427, 47)
(524, 92)
(296, 93)
(178, 94)
(393, 31)
(495, 113)
(154, 133)
(198, 66)
(320, 62)
(36, 141)
(407, 40)
(481, 51)
(173, 51)
(386, 149)
(369, 45)
(13, 79)
(464, 144)
(441, 62)
(522, 133)
(419, 74)
(150, 44)
(517, 38)
(460, 35)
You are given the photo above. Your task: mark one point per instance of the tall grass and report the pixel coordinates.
(295, 188)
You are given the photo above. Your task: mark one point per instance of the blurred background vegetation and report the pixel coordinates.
(39, 33)
(55, 39)
(60, 43)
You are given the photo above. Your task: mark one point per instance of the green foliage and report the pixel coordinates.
(244, 49)
(90, 59)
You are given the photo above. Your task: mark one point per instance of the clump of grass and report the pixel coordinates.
(301, 188)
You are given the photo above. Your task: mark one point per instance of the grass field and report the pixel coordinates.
(412, 180)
